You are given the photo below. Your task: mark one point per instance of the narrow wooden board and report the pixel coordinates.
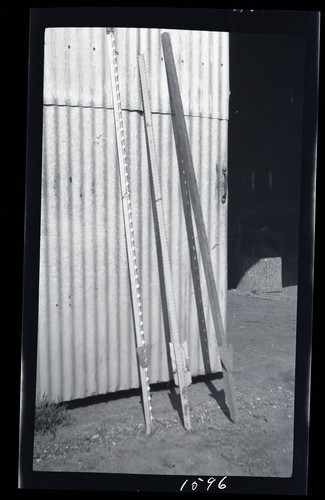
(178, 354)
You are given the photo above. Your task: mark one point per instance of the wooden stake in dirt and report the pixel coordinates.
(178, 351)
(187, 168)
(143, 350)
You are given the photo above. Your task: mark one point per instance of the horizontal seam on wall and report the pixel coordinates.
(162, 113)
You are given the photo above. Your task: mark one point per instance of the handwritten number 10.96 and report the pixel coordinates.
(210, 481)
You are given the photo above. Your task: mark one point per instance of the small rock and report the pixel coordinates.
(94, 437)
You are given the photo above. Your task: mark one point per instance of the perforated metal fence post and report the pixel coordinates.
(185, 160)
(142, 348)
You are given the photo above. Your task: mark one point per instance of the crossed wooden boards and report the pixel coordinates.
(190, 198)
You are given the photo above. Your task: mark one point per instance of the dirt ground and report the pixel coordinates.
(107, 434)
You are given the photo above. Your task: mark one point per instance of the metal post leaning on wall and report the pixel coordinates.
(178, 351)
(187, 176)
(143, 350)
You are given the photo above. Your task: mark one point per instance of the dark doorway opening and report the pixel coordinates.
(265, 140)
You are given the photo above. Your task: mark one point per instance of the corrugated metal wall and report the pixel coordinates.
(86, 340)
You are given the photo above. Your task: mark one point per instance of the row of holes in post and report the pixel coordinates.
(129, 210)
(195, 268)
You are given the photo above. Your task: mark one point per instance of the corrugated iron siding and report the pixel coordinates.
(77, 72)
(86, 340)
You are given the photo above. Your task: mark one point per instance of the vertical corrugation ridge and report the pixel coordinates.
(93, 197)
(90, 247)
(72, 257)
(57, 353)
(82, 338)
(95, 79)
(45, 318)
(64, 274)
(104, 194)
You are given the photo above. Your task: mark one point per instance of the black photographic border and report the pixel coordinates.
(303, 23)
